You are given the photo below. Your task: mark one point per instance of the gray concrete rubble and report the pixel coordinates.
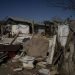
(17, 69)
(33, 57)
(27, 62)
(44, 71)
(42, 64)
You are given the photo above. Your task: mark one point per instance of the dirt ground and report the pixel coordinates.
(3, 70)
(7, 69)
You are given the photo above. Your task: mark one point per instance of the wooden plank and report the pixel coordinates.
(51, 50)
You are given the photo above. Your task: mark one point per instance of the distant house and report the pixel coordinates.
(50, 28)
(17, 21)
(38, 26)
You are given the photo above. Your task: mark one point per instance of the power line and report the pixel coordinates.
(66, 4)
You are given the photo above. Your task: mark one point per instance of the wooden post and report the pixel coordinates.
(15, 38)
(32, 27)
(1, 30)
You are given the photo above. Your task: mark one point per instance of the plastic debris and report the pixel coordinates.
(44, 71)
(27, 62)
(18, 69)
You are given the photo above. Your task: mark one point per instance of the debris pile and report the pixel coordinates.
(50, 50)
(34, 56)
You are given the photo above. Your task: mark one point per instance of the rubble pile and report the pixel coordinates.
(33, 59)
(33, 48)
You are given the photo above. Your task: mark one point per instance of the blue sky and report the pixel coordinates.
(32, 9)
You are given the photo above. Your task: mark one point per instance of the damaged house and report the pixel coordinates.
(31, 26)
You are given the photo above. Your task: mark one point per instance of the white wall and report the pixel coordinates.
(20, 28)
(63, 32)
(41, 30)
